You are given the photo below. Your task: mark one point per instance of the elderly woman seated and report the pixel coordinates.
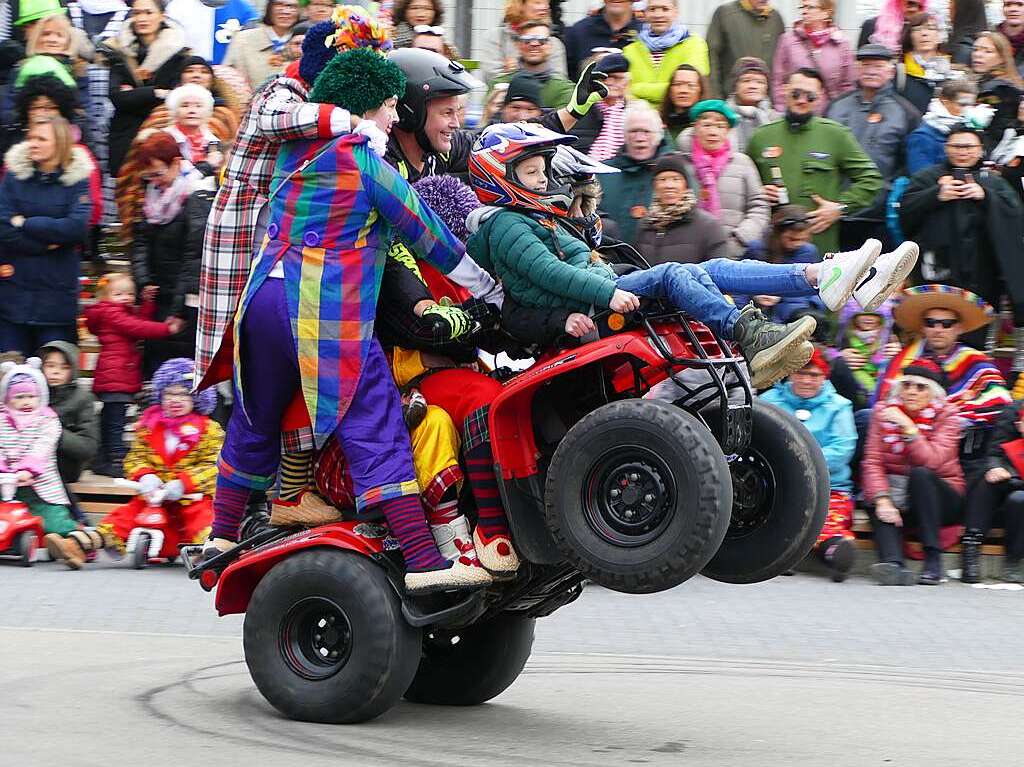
(911, 473)
(809, 396)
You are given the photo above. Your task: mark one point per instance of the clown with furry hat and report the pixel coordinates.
(306, 317)
(175, 450)
(29, 432)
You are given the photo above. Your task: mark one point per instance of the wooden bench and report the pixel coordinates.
(862, 529)
(98, 495)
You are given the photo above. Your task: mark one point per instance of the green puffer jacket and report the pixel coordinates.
(534, 270)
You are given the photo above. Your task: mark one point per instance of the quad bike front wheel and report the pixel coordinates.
(780, 499)
(472, 665)
(26, 548)
(638, 495)
(325, 640)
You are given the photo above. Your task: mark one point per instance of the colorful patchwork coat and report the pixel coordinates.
(279, 112)
(334, 208)
(193, 461)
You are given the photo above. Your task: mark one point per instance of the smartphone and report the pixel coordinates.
(960, 174)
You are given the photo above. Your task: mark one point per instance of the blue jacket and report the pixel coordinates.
(830, 422)
(926, 146)
(39, 260)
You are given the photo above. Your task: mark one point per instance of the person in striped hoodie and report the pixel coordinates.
(29, 432)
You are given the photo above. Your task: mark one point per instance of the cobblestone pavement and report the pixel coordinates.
(797, 671)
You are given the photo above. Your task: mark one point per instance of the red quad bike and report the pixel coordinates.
(634, 494)
(20, 529)
(156, 533)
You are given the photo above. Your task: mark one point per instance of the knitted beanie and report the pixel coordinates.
(315, 50)
(181, 371)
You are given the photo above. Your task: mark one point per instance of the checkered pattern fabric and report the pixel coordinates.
(279, 112)
(331, 227)
(477, 428)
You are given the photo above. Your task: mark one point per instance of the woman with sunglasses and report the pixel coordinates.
(911, 474)
(501, 49)
(815, 42)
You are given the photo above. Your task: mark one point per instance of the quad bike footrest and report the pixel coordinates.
(737, 425)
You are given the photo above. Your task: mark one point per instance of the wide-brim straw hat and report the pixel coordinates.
(974, 312)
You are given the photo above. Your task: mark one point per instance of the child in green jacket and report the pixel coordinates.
(519, 237)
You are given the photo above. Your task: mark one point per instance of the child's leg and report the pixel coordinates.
(252, 445)
(56, 518)
(750, 277)
(683, 286)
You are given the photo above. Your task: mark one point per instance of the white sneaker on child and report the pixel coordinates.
(886, 275)
(841, 273)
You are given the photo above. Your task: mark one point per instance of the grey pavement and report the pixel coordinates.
(797, 671)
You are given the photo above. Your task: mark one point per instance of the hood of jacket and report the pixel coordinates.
(18, 162)
(477, 217)
(477, 246)
(70, 352)
(31, 369)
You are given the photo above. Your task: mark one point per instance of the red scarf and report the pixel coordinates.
(188, 429)
(892, 435)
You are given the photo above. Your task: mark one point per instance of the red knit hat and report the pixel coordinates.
(818, 360)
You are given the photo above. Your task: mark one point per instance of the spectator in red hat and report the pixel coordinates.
(811, 398)
(911, 474)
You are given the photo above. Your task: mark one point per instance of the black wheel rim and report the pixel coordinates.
(753, 493)
(629, 496)
(315, 639)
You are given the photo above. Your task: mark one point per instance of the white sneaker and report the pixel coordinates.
(885, 276)
(842, 272)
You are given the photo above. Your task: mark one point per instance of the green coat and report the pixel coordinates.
(735, 32)
(628, 192)
(517, 250)
(649, 81)
(554, 93)
(821, 157)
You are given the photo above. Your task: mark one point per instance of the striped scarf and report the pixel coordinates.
(612, 136)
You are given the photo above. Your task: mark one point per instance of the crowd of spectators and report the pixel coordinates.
(770, 139)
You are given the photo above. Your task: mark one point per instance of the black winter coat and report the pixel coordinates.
(979, 241)
(1004, 97)
(133, 96)
(39, 261)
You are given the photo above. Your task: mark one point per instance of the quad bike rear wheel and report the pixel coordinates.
(472, 665)
(26, 548)
(638, 495)
(325, 640)
(780, 499)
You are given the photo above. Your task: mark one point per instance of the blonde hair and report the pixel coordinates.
(61, 137)
(1008, 68)
(61, 20)
(107, 281)
(515, 12)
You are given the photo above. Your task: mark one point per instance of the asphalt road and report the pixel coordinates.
(111, 665)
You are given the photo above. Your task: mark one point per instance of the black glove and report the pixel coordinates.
(590, 89)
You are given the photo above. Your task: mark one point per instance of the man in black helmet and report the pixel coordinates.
(429, 139)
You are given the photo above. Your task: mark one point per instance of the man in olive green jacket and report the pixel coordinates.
(823, 168)
(738, 29)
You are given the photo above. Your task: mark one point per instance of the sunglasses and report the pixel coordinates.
(790, 222)
(540, 39)
(798, 93)
(931, 322)
(914, 386)
(427, 29)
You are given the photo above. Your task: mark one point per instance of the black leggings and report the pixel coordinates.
(1002, 502)
(931, 504)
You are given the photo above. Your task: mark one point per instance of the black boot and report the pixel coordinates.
(932, 573)
(838, 555)
(970, 551)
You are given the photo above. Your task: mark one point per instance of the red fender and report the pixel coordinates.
(240, 578)
(15, 518)
(511, 420)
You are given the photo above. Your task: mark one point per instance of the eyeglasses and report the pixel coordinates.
(963, 147)
(799, 93)
(427, 29)
(932, 322)
(539, 39)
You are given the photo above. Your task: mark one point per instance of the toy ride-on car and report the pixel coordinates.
(599, 484)
(157, 531)
(20, 529)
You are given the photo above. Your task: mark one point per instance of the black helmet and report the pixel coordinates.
(428, 76)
